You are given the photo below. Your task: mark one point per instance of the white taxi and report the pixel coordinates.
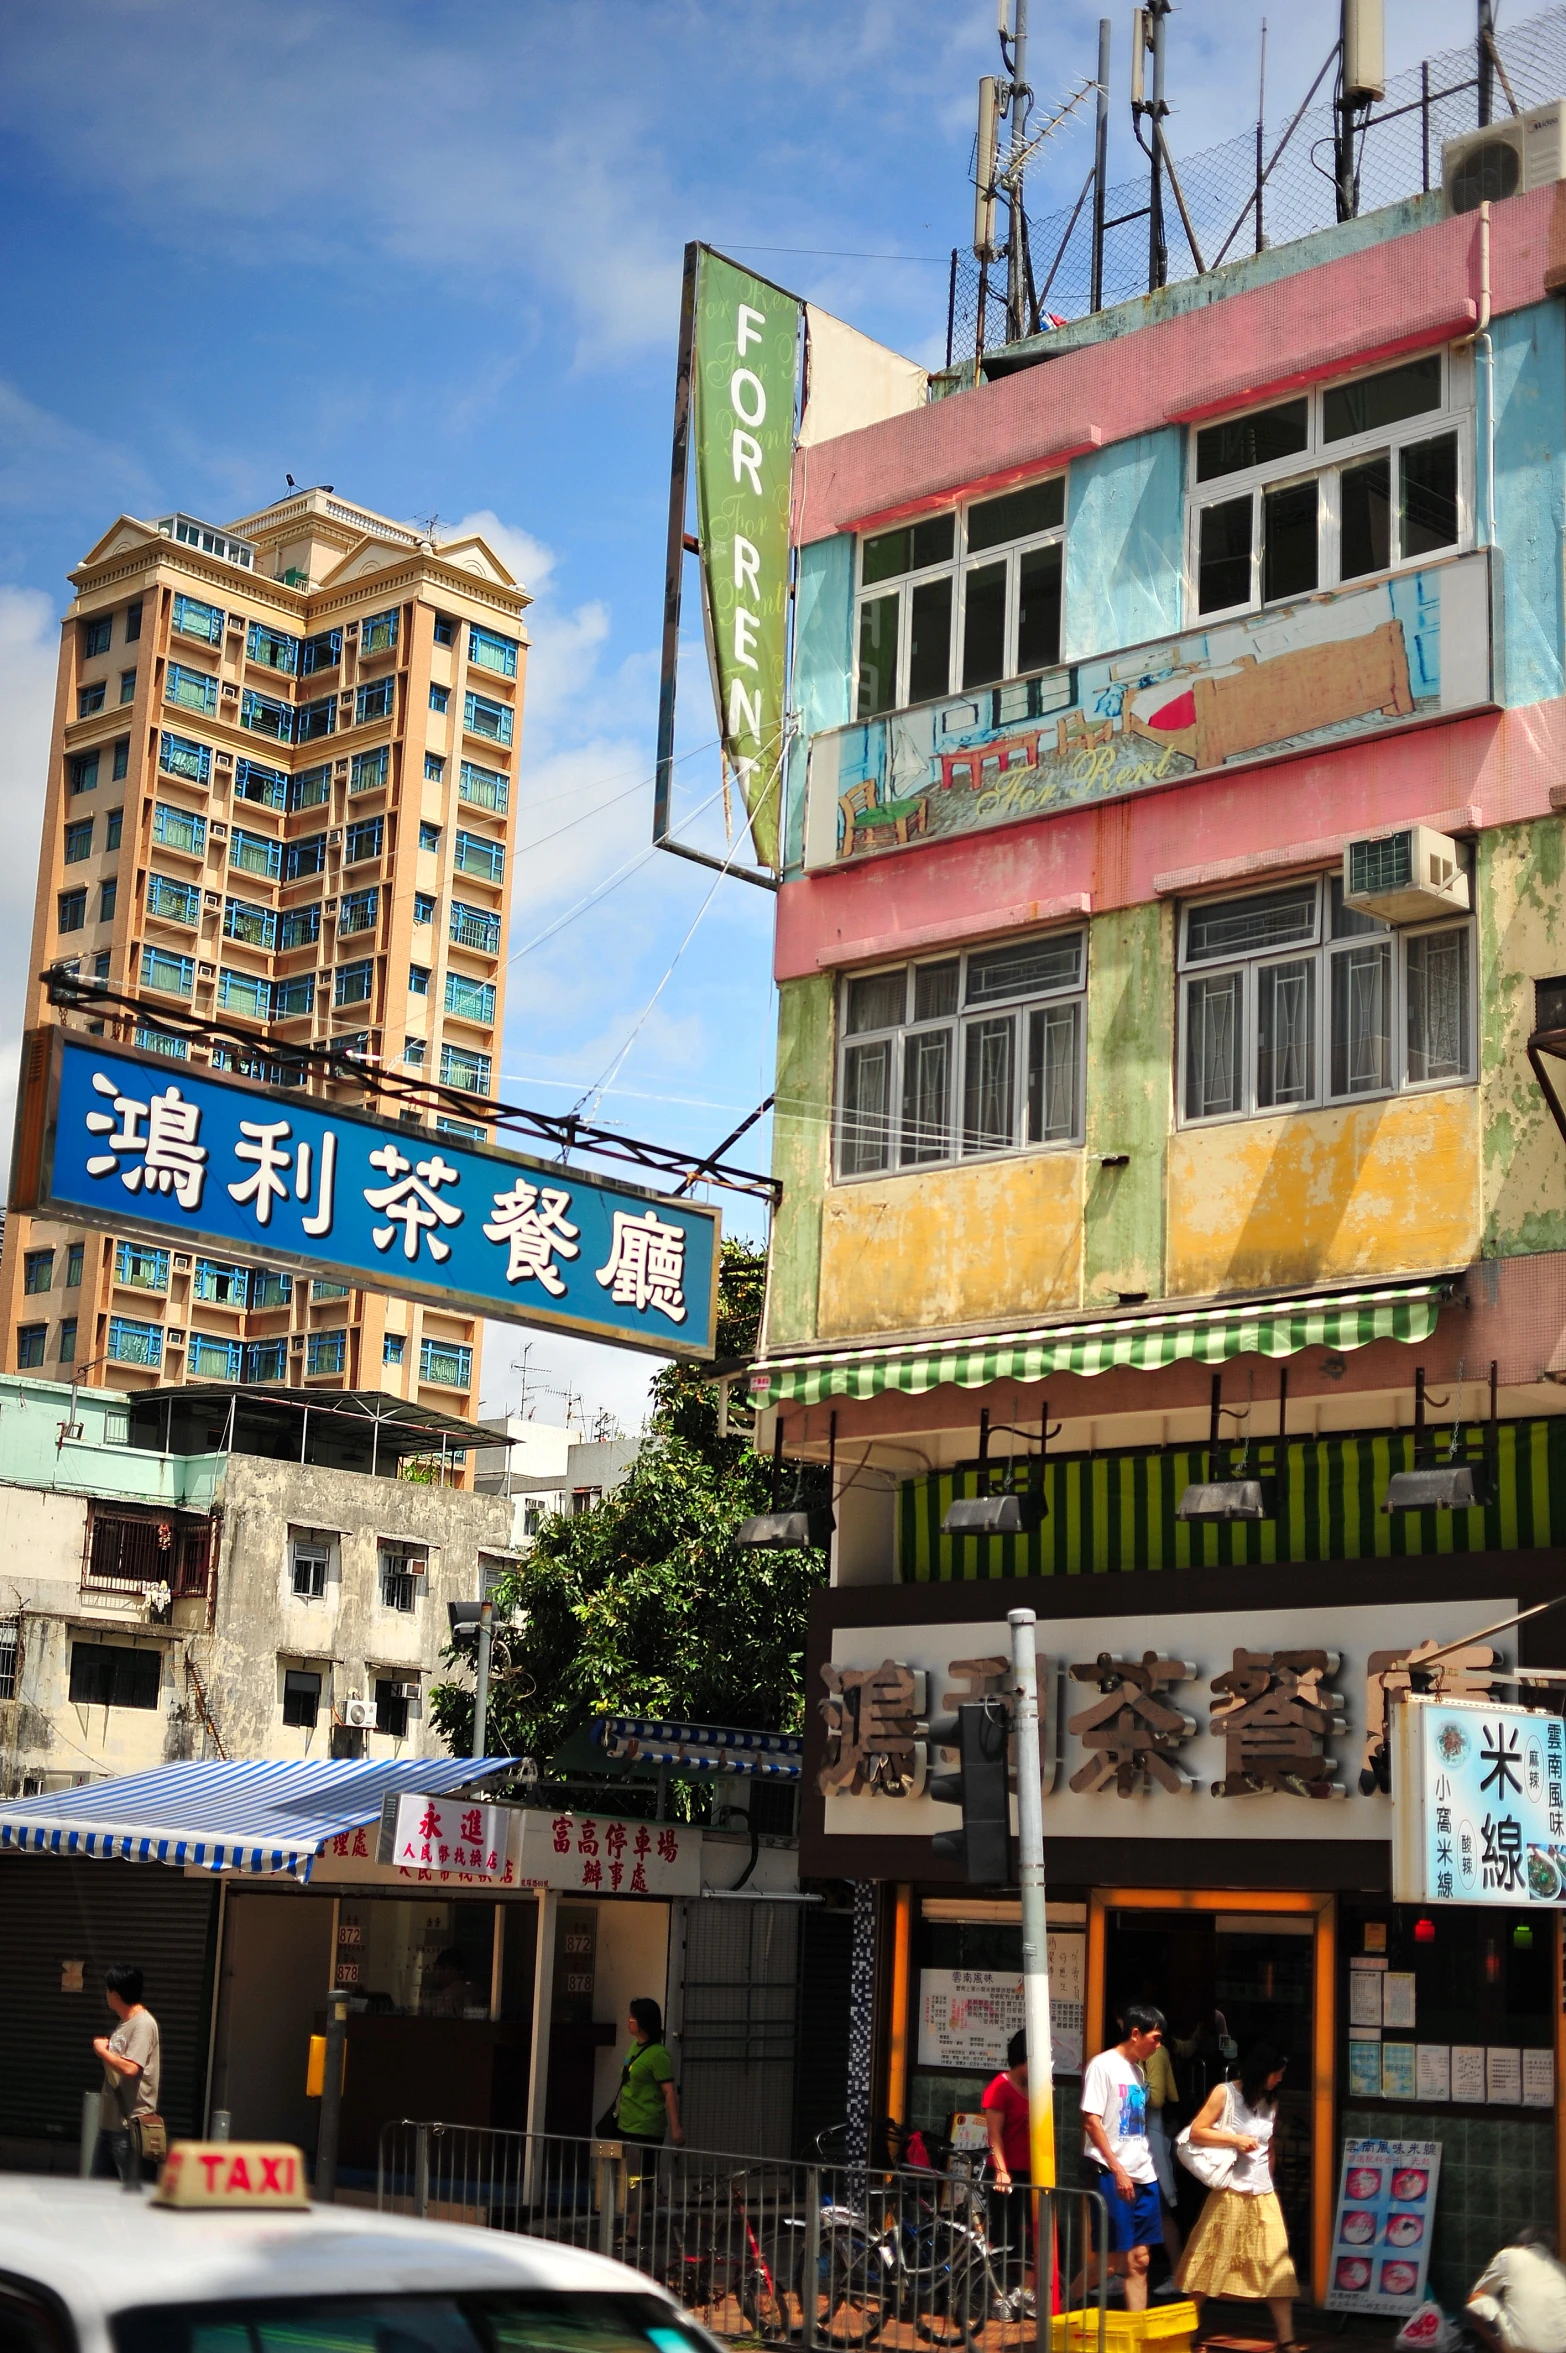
(88, 2267)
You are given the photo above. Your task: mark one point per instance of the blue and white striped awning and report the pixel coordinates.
(702, 1748)
(263, 1815)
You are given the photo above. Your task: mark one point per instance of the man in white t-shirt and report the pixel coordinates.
(1114, 2118)
(1518, 2303)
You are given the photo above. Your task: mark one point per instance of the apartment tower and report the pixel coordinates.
(280, 794)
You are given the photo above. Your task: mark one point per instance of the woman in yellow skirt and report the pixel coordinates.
(1240, 2246)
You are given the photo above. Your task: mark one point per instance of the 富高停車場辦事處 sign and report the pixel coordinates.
(128, 1142)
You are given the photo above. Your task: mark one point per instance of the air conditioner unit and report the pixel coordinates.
(1410, 876)
(214, 899)
(1504, 159)
(359, 1715)
(406, 1690)
(334, 838)
(219, 833)
(327, 906)
(207, 971)
(225, 759)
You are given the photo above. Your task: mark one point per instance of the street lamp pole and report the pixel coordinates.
(1035, 1935)
(486, 1636)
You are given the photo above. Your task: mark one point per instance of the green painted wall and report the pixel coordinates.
(801, 1156)
(1522, 938)
(1130, 1015)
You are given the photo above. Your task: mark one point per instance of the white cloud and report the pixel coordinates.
(29, 659)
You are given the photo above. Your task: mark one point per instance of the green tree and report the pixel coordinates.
(645, 1605)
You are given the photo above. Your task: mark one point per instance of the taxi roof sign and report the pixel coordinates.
(232, 2174)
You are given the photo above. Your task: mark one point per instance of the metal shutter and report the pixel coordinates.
(738, 2025)
(821, 2065)
(53, 1909)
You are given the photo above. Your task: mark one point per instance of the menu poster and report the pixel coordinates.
(1433, 2071)
(1538, 2079)
(1397, 2071)
(1386, 2213)
(1468, 2071)
(967, 2016)
(1364, 2071)
(1503, 2076)
(1365, 1997)
(1397, 1998)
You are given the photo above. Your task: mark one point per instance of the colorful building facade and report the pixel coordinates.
(1125, 1094)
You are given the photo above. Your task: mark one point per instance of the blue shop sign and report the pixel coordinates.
(128, 1144)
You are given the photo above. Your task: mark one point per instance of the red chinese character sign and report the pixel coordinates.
(596, 1854)
(453, 1834)
(1479, 1814)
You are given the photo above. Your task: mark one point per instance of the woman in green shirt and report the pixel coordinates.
(647, 2104)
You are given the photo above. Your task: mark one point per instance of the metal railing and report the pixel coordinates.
(758, 2247)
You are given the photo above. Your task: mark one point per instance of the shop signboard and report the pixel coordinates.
(1479, 1804)
(446, 1834)
(112, 1137)
(1386, 2213)
(597, 1855)
(968, 2016)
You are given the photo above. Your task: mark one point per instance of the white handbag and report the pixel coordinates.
(1214, 2168)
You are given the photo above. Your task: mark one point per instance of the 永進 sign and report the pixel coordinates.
(130, 1142)
(446, 1834)
(1478, 1804)
(593, 1854)
(1386, 2213)
(743, 365)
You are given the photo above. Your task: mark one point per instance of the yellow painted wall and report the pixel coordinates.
(952, 1246)
(1319, 1196)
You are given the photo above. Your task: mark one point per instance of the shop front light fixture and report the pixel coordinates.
(1447, 1486)
(1225, 1499)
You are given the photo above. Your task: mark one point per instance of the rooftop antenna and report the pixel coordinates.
(1011, 21)
(1362, 79)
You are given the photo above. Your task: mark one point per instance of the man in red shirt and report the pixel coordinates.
(1006, 2120)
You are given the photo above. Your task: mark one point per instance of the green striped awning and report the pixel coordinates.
(1205, 1335)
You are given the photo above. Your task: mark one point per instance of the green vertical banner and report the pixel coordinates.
(742, 398)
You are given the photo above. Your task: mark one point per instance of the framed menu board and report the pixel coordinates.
(1386, 2213)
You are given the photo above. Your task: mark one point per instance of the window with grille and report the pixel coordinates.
(403, 1573)
(263, 714)
(490, 651)
(481, 716)
(175, 975)
(364, 840)
(10, 1646)
(377, 700)
(300, 927)
(369, 769)
(192, 690)
(254, 781)
(253, 925)
(37, 1270)
(354, 983)
(96, 635)
(141, 1266)
(310, 1561)
(322, 652)
(193, 618)
(378, 634)
(178, 829)
(962, 1057)
(391, 1705)
(447, 1364)
(313, 720)
(477, 856)
(358, 912)
(271, 649)
(173, 902)
(327, 1352)
(461, 1068)
(1336, 485)
(1288, 998)
(304, 857)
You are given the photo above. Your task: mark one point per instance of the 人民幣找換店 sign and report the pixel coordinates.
(123, 1141)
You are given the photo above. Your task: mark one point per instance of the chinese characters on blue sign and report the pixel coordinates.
(184, 1156)
(1482, 1791)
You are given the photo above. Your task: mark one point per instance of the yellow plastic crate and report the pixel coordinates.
(1169, 2327)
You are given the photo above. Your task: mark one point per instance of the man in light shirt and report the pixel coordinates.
(1518, 2304)
(132, 2072)
(1114, 2120)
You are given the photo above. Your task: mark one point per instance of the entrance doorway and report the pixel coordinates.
(1231, 1971)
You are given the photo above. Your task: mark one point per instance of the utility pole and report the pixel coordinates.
(1035, 1932)
(486, 1636)
(1147, 38)
(331, 2097)
(1100, 166)
(1486, 61)
(1017, 319)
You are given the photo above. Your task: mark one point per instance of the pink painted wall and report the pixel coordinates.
(1419, 288)
(1499, 766)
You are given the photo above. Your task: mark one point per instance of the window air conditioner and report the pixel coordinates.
(224, 759)
(213, 899)
(328, 905)
(1407, 877)
(1504, 159)
(334, 838)
(207, 971)
(405, 1690)
(359, 1715)
(219, 833)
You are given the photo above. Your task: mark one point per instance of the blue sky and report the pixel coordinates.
(430, 253)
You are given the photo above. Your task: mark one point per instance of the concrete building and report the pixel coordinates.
(281, 794)
(1171, 894)
(206, 1573)
(545, 1469)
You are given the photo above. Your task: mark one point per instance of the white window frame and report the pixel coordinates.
(1321, 950)
(956, 568)
(312, 1544)
(1323, 461)
(958, 1022)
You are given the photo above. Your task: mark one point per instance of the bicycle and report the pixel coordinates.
(919, 2262)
